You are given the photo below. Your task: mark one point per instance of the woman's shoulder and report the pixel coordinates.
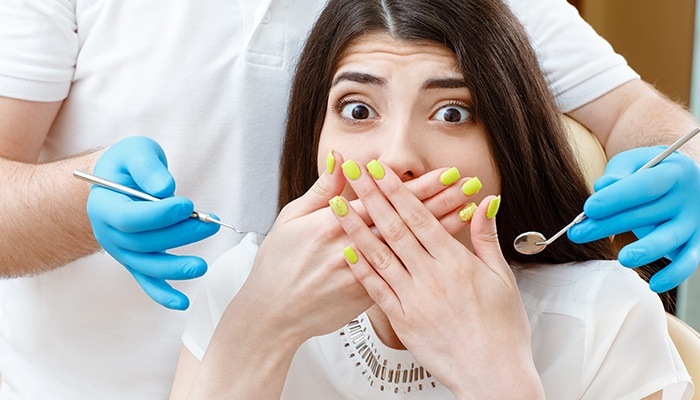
(583, 290)
(588, 322)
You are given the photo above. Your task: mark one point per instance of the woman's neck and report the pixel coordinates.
(382, 327)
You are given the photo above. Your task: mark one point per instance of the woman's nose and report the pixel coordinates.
(402, 153)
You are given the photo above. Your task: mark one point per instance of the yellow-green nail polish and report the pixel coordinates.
(350, 255)
(375, 169)
(330, 162)
(467, 212)
(338, 205)
(494, 204)
(351, 169)
(449, 177)
(472, 186)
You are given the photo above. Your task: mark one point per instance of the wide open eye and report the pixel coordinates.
(452, 113)
(356, 110)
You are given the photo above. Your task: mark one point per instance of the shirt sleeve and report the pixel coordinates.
(220, 285)
(578, 64)
(39, 43)
(628, 351)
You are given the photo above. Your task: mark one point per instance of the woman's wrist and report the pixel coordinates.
(249, 355)
(507, 381)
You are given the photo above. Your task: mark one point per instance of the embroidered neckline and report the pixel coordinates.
(381, 372)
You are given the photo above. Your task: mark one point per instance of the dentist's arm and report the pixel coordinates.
(637, 115)
(43, 224)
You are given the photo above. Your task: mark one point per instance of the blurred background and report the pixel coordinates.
(661, 41)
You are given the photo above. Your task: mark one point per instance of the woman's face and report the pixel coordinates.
(405, 104)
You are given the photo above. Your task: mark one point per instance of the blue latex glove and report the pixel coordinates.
(137, 233)
(661, 205)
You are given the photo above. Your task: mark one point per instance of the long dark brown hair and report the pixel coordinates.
(542, 185)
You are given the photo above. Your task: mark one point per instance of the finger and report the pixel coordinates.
(439, 198)
(182, 233)
(457, 220)
(484, 238)
(137, 162)
(429, 184)
(625, 164)
(639, 188)
(127, 215)
(639, 217)
(413, 215)
(454, 197)
(375, 252)
(677, 271)
(377, 288)
(329, 184)
(660, 242)
(151, 173)
(161, 292)
(390, 224)
(159, 265)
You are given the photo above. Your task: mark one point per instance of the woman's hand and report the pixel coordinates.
(299, 287)
(458, 312)
(299, 275)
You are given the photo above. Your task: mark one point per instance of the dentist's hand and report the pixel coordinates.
(661, 205)
(137, 233)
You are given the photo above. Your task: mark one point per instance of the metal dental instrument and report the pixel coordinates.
(96, 180)
(534, 242)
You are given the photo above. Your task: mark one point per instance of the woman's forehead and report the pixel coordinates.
(382, 47)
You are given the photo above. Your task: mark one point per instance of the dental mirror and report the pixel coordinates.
(532, 242)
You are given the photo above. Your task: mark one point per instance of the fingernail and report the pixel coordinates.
(351, 169)
(494, 204)
(338, 205)
(375, 169)
(467, 212)
(330, 162)
(472, 186)
(350, 255)
(449, 177)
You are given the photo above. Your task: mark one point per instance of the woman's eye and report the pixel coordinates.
(452, 113)
(357, 111)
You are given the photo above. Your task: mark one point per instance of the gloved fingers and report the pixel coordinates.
(634, 190)
(182, 233)
(127, 215)
(605, 181)
(151, 174)
(138, 162)
(161, 265)
(629, 161)
(642, 216)
(677, 271)
(625, 164)
(161, 292)
(659, 243)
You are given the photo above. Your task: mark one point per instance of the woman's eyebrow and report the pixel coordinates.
(359, 77)
(444, 83)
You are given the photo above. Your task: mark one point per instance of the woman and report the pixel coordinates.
(408, 89)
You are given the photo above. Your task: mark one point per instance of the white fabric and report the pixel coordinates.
(598, 332)
(209, 81)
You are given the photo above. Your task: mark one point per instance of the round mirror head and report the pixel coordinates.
(527, 243)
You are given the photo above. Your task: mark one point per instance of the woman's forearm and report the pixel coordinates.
(248, 358)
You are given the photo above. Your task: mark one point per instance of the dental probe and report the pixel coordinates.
(96, 180)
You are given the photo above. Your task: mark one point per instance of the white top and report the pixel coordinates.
(598, 332)
(209, 81)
